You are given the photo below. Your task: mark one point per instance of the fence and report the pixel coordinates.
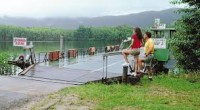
(56, 55)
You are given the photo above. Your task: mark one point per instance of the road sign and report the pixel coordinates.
(160, 43)
(20, 42)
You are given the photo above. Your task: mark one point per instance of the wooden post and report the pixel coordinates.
(124, 75)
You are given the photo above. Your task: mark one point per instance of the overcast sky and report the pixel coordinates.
(78, 8)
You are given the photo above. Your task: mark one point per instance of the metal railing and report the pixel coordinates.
(105, 57)
(105, 62)
(44, 56)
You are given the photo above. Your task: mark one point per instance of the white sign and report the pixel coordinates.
(20, 42)
(159, 43)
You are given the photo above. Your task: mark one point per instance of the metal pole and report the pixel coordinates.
(61, 45)
(39, 58)
(103, 65)
(106, 66)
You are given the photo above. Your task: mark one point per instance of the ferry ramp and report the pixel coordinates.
(77, 70)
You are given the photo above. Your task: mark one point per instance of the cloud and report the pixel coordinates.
(78, 8)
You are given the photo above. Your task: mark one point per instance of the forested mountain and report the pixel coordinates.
(142, 19)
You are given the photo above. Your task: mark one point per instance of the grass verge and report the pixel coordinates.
(162, 93)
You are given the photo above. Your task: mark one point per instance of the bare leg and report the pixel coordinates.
(125, 53)
(140, 63)
(136, 63)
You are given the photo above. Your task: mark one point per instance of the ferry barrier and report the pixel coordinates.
(72, 53)
(107, 49)
(54, 55)
(91, 50)
(112, 48)
(116, 47)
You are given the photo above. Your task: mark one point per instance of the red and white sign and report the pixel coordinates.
(21, 42)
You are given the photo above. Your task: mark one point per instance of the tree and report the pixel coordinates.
(83, 33)
(186, 44)
(124, 31)
(53, 34)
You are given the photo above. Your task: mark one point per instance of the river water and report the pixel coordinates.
(43, 46)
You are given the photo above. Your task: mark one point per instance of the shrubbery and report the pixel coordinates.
(4, 66)
(186, 44)
(53, 34)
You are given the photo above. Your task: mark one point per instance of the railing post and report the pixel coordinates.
(106, 66)
(124, 75)
(61, 46)
(39, 58)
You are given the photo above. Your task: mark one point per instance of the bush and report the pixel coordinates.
(5, 68)
(185, 44)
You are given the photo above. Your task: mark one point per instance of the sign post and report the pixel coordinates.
(19, 42)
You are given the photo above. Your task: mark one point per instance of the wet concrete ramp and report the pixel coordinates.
(79, 70)
(87, 70)
(64, 75)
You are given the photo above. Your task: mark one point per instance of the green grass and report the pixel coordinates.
(162, 93)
